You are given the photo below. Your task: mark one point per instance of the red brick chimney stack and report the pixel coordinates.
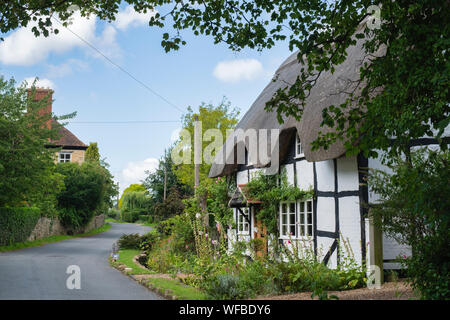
(39, 94)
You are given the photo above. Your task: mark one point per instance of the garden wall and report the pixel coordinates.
(46, 227)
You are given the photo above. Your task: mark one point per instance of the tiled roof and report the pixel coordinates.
(67, 139)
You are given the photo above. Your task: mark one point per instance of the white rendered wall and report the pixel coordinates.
(347, 174)
(326, 220)
(289, 169)
(325, 175)
(350, 224)
(242, 177)
(305, 175)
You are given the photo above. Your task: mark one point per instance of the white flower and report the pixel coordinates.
(198, 215)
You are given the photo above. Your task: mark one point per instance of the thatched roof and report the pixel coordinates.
(330, 89)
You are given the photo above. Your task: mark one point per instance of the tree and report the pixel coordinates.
(414, 209)
(92, 153)
(27, 175)
(84, 193)
(402, 93)
(93, 157)
(170, 207)
(135, 203)
(220, 117)
(132, 188)
(154, 182)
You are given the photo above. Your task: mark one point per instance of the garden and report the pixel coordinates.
(193, 248)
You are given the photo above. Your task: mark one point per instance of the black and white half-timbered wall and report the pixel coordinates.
(341, 195)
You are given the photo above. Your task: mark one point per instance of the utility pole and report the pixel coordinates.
(165, 180)
(118, 198)
(197, 150)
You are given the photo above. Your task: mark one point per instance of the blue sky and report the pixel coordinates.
(86, 82)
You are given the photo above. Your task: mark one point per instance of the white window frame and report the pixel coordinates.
(63, 160)
(242, 222)
(305, 219)
(287, 226)
(298, 144)
(303, 226)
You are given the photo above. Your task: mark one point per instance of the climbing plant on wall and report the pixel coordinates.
(271, 190)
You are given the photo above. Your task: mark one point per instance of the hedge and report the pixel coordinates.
(16, 224)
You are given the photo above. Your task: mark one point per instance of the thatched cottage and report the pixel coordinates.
(340, 192)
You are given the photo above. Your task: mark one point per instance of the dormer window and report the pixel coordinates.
(64, 157)
(298, 147)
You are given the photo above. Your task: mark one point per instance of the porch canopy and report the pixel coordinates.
(239, 198)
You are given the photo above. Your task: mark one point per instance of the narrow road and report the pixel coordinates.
(40, 272)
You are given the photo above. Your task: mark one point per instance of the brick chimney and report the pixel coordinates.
(39, 94)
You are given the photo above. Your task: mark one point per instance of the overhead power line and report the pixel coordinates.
(120, 67)
(122, 122)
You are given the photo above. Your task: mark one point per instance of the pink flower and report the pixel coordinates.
(289, 241)
(187, 247)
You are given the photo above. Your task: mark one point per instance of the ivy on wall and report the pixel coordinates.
(271, 190)
(16, 224)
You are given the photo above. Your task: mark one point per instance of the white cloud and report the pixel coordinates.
(66, 68)
(135, 171)
(129, 17)
(238, 70)
(40, 83)
(23, 48)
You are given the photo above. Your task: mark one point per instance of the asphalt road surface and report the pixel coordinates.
(40, 272)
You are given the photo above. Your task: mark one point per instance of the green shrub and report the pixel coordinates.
(130, 241)
(256, 278)
(170, 207)
(112, 213)
(149, 240)
(414, 209)
(162, 259)
(16, 224)
(130, 215)
(226, 287)
(85, 190)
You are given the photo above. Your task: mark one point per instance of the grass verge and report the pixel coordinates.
(52, 239)
(161, 285)
(180, 290)
(126, 257)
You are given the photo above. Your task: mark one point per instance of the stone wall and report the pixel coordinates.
(47, 227)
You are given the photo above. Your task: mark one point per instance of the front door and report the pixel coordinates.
(260, 233)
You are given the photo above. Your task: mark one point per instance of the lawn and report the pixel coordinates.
(182, 291)
(126, 257)
(179, 289)
(52, 239)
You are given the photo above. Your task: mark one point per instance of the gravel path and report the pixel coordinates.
(40, 272)
(388, 291)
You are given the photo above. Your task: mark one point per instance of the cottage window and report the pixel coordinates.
(243, 225)
(287, 219)
(298, 147)
(65, 157)
(305, 224)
